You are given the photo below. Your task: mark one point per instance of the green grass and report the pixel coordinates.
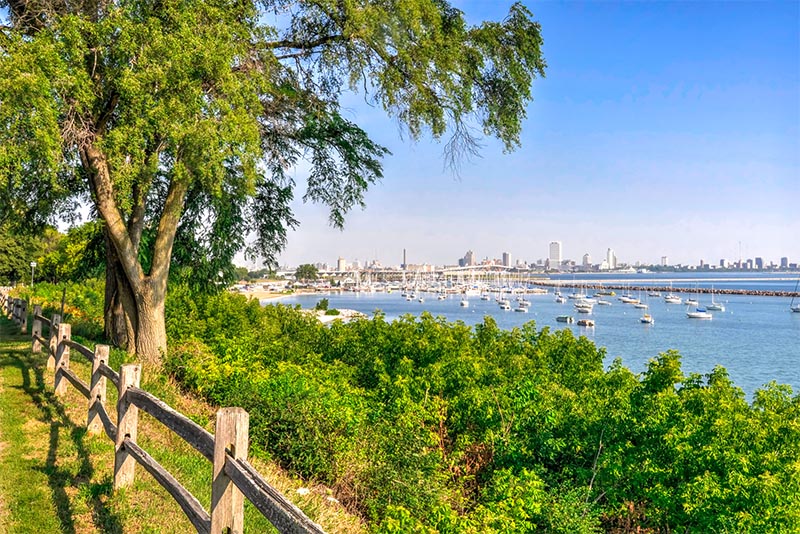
(56, 478)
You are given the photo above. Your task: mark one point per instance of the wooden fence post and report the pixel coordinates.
(23, 317)
(52, 337)
(15, 313)
(97, 395)
(36, 329)
(227, 502)
(8, 306)
(127, 423)
(62, 358)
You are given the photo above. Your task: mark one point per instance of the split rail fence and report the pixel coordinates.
(233, 476)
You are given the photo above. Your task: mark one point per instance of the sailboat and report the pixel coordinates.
(715, 306)
(792, 306)
(671, 298)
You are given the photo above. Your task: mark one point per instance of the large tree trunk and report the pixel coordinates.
(151, 331)
(141, 295)
(118, 327)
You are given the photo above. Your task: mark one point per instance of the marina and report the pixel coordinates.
(756, 338)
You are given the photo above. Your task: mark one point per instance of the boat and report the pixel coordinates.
(654, 294)
(671, 298)
(524, 304)
(564, 319)
(560, 299)
(699, 313)
(602, 302)
(583, 309)
(464, 303)
(715, 306)
(505, 305)
(640, 306)
(647, 319)
(585, 322)
(691, 302)
(485, 296)
(421, 299)
(795, 308)
(521, 309)
(441, 296)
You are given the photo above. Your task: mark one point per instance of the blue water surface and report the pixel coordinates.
(757, 339)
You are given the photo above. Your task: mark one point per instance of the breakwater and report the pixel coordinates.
(665, 289)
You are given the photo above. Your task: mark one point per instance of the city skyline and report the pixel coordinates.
(609, 262)
(660, 130)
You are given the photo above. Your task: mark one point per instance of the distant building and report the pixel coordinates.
(759, 263)
(784, 262)
(555, 254)
(469, 258)
(506, 259)
(341, 265)
(749, 264)
(664, 261)
(611, 259)
(587, 261)
(724, 263)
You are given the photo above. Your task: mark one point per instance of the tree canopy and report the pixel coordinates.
(179, 120)
(306, 272)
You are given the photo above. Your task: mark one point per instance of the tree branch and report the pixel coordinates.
(167, 227)
(96, 166)
(303, 45)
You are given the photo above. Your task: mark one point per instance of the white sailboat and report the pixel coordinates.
(715, 306)
(792, 306)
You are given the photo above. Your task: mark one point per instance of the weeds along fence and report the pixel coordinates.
(233, 476)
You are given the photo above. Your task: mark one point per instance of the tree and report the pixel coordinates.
(306, 273)
(178, 121)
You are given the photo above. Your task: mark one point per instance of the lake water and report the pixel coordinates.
(757, 339)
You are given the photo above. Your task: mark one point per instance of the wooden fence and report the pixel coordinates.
(233, 476)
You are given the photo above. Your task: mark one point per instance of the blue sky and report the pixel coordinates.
(662, 128)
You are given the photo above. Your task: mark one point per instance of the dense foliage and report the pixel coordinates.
(423, 425)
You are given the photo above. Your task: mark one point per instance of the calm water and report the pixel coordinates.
(756, 338)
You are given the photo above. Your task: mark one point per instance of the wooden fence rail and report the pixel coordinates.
(234, 479)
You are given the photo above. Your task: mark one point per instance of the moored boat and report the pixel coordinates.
(699, 313)
(585, 322)
(564, 319)
(647, 319)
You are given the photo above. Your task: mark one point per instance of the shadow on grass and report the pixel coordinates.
(60, 478)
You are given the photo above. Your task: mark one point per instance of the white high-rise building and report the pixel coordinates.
(587, 261)
(664, 261)
(611, 259)
(555, 254)
(341, 265)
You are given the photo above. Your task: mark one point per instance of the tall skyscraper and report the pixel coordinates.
(611, 259)
(555, 254)
(784, 262)
(469, 258)
(506, 259)
(664, 261)
(587, 261)
(759, 263)
(341, 265)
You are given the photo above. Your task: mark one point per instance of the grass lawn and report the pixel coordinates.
(56, 478)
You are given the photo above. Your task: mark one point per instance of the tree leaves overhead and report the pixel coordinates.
(226, 97)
